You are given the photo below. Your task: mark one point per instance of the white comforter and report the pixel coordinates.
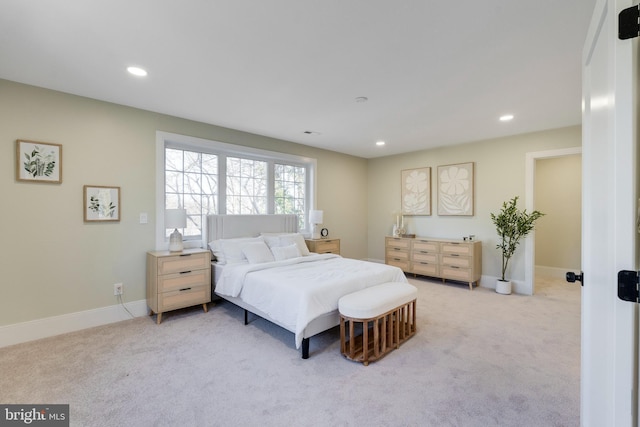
(296, 291)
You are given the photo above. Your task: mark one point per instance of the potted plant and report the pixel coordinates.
(512, 225)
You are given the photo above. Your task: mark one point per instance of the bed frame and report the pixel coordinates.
(231, 226)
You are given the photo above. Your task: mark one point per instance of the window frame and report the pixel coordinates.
(224, 150)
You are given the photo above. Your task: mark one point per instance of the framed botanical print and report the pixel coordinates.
(416, 191)
(455, 189)
(38, 161)
(101, 203)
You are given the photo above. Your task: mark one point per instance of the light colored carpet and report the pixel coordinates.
(478, 359)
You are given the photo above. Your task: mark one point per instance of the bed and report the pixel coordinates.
(261, 264)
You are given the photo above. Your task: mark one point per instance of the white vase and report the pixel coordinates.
(503, 287)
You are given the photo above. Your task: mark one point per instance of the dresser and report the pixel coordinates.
(324, 246)
(177, 280)
(458, 260)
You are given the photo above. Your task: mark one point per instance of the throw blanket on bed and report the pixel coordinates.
(298, 290)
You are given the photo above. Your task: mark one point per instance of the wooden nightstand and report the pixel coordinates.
(177, 280)
(324, 246)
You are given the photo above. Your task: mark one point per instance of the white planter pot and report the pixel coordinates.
(503, 287)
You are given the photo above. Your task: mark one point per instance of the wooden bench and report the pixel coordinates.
(386, 315)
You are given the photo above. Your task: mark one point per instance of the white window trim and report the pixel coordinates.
(190, 142)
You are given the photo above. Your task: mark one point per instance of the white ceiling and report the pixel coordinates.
(434, 72)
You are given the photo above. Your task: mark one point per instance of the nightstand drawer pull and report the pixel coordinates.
(454, 254)
(185, 254)
(185, 289)
(185, 272)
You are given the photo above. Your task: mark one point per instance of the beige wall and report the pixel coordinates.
(558, 194)
(53, 263)
(499, 176)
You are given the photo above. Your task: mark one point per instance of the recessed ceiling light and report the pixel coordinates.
(311, 132)
(137, 71)
(380, 143)
(506, 117)
(362, 99)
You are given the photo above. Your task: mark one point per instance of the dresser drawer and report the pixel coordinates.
(184, 297)
(400, 263)
(425, 268)
(426, 246)
(176, 281)
(398, 243)
(429, 257)
(397, 254)
(185, 262)
(456, 273)
(457, 248)
(458, 261)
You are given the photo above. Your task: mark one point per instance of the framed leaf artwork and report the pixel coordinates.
(455, 189)
(101, 203)
(416, 191)
(38, 162)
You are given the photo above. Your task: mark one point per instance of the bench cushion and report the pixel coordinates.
(376, 300)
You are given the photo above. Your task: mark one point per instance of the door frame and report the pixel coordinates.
(529, 192)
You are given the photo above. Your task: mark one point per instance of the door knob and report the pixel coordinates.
(573, 277)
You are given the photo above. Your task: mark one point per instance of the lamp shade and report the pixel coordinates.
(175, 218)
(315, 217)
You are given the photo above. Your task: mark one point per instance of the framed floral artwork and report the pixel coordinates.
(416, 191)
(101, 203)
(455, 189)
(38, 161)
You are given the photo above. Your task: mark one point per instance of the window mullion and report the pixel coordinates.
(222, 184)
(271, 203)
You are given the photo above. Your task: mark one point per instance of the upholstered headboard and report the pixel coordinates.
(230, 226)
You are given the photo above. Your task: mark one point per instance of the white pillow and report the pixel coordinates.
(286, 239)
(257, 252)
(285, 252)
(217, 252)
(228, 251)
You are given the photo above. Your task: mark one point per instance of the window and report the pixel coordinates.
(208, 177)
(191, 182)
(246, 186)
(290, 190)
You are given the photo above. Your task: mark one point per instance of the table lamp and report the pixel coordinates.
(175, 218)
(315, 219)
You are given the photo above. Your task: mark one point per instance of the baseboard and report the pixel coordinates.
(554, 272)
(56, 325)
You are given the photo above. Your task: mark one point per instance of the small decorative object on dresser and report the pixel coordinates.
(324, 246)
(450, 259)
(178, 280)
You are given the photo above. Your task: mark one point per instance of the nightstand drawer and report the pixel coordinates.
(327, 246)
(176, 281)
(185, 262)
(184, 297)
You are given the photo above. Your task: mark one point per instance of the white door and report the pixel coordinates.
(608, 361)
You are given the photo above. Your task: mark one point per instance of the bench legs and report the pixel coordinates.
(380, 334)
